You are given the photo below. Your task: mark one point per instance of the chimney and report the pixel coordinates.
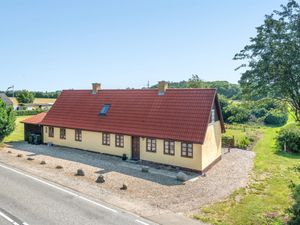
(162, 87)
(96, 88)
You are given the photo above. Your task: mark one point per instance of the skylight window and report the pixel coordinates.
(104, 110)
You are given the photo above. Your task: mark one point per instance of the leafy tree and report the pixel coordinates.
(236, 113)
(7, 120)
(25, 97)
(231, 91)
(272, 58)
(195, 82)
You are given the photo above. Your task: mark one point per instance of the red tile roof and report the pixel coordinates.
(37, 119)
(180, 114)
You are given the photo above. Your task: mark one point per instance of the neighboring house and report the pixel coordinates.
(35, 106)
(6, 99)
(38, 103)
(178, 127)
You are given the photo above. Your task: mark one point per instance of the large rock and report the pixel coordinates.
(80, 172)
(181, 176)
(124, 187)
(100, 179)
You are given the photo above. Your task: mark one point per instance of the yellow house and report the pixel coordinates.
(177, 127)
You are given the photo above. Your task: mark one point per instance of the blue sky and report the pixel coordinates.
(61, 44)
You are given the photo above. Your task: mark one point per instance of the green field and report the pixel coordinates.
(268, 197)
(18, 134)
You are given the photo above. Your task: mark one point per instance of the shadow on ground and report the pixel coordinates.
(105, 163)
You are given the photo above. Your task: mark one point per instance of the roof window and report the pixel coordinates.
(104, 110)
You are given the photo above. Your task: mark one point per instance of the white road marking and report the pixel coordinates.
(141, 222)
(8, 219)
(59, 188)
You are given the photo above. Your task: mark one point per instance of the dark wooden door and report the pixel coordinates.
(135, 148)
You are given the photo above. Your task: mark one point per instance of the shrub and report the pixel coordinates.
(243, 143)
(295, 210)
(289, 135)
(7, 120)
(276, 117)
(237, 113)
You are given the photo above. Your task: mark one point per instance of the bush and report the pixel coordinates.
(243, 143)
(289, 135)
(28, 112)
(236, 113)
(295, 210)
(276, 117)
(7, 120)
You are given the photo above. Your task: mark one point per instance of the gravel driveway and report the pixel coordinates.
(147, 192)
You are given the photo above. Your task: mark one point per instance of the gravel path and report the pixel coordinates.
(148, 193)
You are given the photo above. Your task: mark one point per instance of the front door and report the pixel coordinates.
(135, 148)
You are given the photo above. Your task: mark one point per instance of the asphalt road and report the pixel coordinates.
(27, 200)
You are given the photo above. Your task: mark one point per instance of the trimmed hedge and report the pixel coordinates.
(28, 112)
(289, 136)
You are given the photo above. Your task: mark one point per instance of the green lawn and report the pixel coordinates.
(18, 134)
(268, 197)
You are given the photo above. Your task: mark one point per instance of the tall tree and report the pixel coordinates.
(195, 82)
(25, 97)
(7, 120)
(272, 58)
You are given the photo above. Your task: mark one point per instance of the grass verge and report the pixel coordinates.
(268, 197)
(18, 133)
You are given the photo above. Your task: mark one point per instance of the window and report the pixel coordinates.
(119, 140)
(46, 130)
(105, 138)
(187, 149)
(78, 135)
(213, 116)
(51, 131)
(62, 133)
(169, 147)
(104, 110)
(151, 145)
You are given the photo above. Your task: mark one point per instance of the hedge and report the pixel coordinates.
(28, 112)
(289, 137)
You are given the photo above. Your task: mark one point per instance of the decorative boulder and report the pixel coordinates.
(181, 177)
(145, 169)
(80, 172)
(100, 179)
(124, 187)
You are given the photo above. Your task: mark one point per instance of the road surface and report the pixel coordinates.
(27, 200)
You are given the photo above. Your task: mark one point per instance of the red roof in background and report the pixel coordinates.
(180, 114)
(37, 119)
